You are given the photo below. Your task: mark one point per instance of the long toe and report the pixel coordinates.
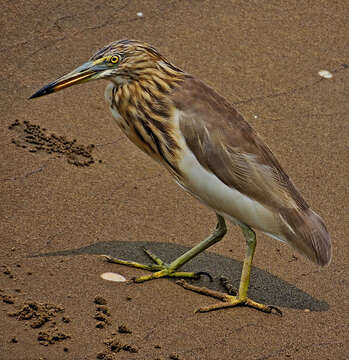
(166, 272)
(160, 269)
(227, 301)
(154, 267)
(233, 301)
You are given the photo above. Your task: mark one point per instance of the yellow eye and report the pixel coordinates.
(114, 59)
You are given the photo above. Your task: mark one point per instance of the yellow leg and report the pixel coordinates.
(161, 269)
(228, 301)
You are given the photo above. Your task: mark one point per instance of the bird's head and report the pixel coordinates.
(121, 62)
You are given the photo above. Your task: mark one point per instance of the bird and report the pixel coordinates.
(212, 153)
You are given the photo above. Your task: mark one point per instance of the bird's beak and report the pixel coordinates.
(83, 73)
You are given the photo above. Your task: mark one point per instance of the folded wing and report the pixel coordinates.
(226, 145)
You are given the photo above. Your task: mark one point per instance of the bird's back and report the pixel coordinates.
(239, 176)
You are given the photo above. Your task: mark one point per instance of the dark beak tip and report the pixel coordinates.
(43, 91)
(37, 94)
(63, 82)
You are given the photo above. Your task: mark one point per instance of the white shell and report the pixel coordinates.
(113, 277)
(325, 74)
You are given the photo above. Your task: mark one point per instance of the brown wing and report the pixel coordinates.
(225, 144)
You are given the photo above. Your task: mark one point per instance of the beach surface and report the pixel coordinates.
(73, 187)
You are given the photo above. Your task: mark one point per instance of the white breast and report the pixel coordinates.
(109, 99)
(228, 202)
(108, 93)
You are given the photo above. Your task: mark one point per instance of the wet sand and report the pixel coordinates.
(74, 188)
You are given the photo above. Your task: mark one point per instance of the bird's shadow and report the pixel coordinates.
(264, 287)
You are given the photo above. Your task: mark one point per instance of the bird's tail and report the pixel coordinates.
(306, 232)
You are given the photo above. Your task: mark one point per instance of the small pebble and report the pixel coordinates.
(100, 300)
(123, 329)
(113, 277)
(14, 340)
(325, 74)
(66, 319)
(174, 356)
(140, 14)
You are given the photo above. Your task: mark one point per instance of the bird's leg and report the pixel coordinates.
(161, 269)
(241, 299)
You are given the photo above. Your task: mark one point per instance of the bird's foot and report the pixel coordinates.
(227, 301)
(160, 268)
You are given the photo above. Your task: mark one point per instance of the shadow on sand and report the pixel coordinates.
(264, 287)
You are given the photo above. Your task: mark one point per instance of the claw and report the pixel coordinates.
(106, 257)
(227, 286)
(198, 275)
(277, 311)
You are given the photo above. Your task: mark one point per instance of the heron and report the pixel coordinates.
(212, 153)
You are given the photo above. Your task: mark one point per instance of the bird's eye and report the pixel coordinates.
(114, 59)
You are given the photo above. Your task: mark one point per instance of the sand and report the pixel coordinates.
(74, 188)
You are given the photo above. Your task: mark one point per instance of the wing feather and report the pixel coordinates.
(226, 145)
